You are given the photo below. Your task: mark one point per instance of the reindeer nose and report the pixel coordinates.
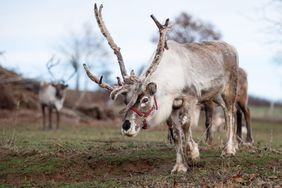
(126, 125)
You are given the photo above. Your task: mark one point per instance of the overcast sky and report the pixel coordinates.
(31, 30)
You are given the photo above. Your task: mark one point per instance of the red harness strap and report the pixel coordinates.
(147, 113)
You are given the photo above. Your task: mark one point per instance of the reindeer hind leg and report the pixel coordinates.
(58, 118)
(43, 116)
(239, 124)
(229, 148)
(50, 108)
(246, 112)
(209, 109)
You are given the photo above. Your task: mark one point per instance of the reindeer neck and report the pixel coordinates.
(164, 110)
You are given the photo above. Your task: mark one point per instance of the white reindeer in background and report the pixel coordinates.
(52, 96)
(207, 71)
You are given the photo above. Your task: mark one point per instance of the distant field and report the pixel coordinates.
(264, 112)
(97, 156)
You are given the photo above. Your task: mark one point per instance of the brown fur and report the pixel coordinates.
(242, 107)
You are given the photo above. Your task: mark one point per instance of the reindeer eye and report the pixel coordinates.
(145, 100)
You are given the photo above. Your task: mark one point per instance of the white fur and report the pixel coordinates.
(218, 121)
(47, 95)
(230, 148)
(202, 70)
(178, 69)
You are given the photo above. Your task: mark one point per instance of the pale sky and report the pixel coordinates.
(31, 30)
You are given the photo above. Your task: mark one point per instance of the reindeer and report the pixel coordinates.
(241, 107)
(52, 96)
(208, 70)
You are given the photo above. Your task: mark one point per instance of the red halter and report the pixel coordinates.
(146, 114)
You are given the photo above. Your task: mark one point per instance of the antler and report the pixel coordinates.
(113, 45)
(71, 76)
(161, 46)
(95, 79)
(50, 64)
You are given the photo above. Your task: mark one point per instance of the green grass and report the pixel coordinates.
(87, 156)
(263, 112)
(101, 184)
(30, 164)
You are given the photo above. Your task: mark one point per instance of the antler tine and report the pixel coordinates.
(113, 45)
(160, 26)
(50, 65)
(160, 48)
(119, 81)
(96, 79)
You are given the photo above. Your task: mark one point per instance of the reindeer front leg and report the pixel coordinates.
(170, 134)
(191, 147)
(189, 120)
(180, 165)
(184, 115)
(58, 118)
(50, 108)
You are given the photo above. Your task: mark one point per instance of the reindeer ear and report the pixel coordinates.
(177, 103)
(151, 88)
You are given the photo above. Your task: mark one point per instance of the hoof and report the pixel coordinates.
(225, 154)
(209, 142)
(248, 144)
(229, 150)
(179, 168)
(249, 141)
(193, 153)
(236, 146)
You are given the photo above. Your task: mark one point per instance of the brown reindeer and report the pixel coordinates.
(241, 107)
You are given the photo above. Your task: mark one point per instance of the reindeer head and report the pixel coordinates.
(59, 84)
(139, 92)
(60, 89)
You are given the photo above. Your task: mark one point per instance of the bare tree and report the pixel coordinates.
(272, 15)
(2, 54)
(188, 29)
(82, 48)
(272, 18)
